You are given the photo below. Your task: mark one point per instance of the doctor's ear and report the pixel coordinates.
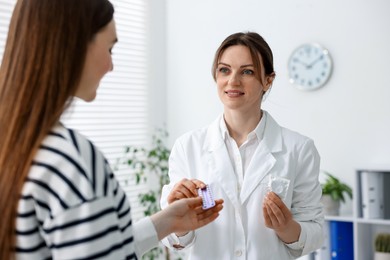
(269, 79)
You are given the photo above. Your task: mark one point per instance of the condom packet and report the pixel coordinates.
(279, 186)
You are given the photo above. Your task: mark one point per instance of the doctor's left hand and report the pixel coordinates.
(279, 218)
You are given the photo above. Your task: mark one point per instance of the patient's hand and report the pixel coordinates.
(183, 216)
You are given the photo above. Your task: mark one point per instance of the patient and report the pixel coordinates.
(58, 196)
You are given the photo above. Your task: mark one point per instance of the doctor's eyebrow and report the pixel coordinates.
(242, 66)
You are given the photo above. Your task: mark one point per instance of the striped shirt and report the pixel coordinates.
(72, 207)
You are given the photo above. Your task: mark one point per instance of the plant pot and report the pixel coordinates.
(331, 207)
(381, 256)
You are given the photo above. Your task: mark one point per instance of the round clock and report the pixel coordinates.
(309, 66)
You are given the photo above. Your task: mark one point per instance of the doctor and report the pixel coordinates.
(235, 156)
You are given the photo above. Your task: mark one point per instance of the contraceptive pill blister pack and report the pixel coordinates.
(207, 197)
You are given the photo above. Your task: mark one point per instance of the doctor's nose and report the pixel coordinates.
(234, 79)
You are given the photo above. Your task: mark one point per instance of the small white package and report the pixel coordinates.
(278, 185)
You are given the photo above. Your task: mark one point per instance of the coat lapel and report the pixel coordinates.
(263, 159)
(261, 164)
(219, 162)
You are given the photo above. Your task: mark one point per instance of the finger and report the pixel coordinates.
(199, 184)
(277, 215)
(274, 219)
(217, 203)
(191, 186)
(267, 219)
(171, 197)
(194, 203)
(285, 211)
(183, 193)
(209, 212)
(175, 195)
(271, 196)
(207, 220)
(218, 207)
(185, 187)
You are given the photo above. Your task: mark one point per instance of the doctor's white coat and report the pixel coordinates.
(239, 232)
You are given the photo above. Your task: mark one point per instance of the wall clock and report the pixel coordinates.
(309, 66)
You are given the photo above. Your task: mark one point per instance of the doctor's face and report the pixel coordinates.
(238, 86)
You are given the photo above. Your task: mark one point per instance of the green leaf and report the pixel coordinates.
(335, 188)
(382, 243)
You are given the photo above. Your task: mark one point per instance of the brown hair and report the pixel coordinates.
(40, 72)
(258, 48)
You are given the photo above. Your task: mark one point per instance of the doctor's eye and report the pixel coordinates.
(248, 72)
(223, 70)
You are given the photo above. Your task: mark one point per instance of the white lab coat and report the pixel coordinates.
(239, 232)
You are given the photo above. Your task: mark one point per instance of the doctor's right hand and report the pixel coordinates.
(185, 189)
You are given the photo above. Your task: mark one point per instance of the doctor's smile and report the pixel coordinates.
(234, 93)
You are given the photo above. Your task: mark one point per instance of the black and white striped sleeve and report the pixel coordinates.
(72, 207)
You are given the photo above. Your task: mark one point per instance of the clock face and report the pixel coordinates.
(309, 66)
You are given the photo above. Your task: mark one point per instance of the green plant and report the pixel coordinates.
(335, 188)
(150, 165)
(382, 243)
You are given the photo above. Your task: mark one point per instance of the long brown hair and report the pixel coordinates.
(40, 72)
(256, 45)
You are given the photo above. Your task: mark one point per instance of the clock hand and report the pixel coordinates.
(301, 62)
(314, 62)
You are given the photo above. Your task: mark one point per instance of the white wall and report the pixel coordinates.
(349, 118)
(157, 69)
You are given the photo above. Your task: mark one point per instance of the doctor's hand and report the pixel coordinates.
(184, 215)
(185, 189)
(279, 218)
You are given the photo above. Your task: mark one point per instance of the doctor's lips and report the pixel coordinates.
(234, 93)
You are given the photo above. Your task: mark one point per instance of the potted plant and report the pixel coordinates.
(150, 165)
(333, 191)
(382, 247)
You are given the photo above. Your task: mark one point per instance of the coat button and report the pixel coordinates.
(238, 253)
